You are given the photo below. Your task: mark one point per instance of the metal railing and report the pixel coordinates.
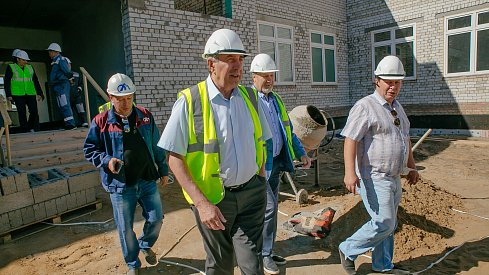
(5, 129)
(87, 76)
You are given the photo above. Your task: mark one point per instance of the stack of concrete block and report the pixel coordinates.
(30, 198)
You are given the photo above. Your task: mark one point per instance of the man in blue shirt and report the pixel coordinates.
(60, 84)
(282, 149)
(122, 143)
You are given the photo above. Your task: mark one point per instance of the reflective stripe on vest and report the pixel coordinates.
(284, 117)
(21, 83)
(203, 152)
(104, 107)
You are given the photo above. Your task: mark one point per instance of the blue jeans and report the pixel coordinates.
(271, 211)
(124, 205)
(62, 92)
(381, 197)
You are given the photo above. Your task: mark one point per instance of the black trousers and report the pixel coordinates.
(244, 211)
(29, 101)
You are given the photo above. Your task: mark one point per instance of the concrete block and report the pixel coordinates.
(83, 180)
(71, 201)
(39, 211)
(51, 209)
(4, 223)
(7, 182)
(61, 204)
(15, 218)
(90, 195)
(56, 173)
(81, 198)
(28, 215)
(35, 180)
(44, 190)
(21, 181)
(16, 201)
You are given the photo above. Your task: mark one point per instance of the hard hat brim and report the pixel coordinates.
(391, 77)
(266, 71)
(207, 55)
(119, 94)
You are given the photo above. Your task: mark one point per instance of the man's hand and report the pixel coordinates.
(210, 215)
(413, 176)
(40, 97)
(352, 182)
(114, 165)
(11, 99)
(306, 162)
(164, 181)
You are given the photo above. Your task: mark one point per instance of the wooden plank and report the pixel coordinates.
(39, 226)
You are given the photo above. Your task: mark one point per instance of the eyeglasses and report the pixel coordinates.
(125, 121)
(397, 121)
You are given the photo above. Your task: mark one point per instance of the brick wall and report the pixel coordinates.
(430, 90)
(164, 46)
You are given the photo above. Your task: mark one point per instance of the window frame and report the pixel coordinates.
(473, 31)
(276, 40)
(392, 42)
(323, 47)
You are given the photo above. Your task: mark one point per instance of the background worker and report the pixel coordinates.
(282, 149)
(77, 98)
(22, 88)
(60, 84)
(122, 143)
(377, 150)
(219, 162)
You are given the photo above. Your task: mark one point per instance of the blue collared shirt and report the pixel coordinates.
(268, 102)
(382, 148)
(234, 131)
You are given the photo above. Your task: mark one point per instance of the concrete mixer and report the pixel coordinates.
(310, 126)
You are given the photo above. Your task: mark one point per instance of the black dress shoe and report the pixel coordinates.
(348, 265)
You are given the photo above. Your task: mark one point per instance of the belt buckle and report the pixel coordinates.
(235, 187)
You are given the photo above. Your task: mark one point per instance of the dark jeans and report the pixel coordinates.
(244, 211)
(31, 102)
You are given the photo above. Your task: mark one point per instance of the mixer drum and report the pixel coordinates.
(309, 125)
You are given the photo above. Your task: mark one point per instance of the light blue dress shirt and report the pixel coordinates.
(234, 130)
(268, 104)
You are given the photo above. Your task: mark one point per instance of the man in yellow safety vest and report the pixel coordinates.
(22, 88)
(215, 137)
(282, 149)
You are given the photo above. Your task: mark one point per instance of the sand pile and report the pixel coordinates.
(426, 219)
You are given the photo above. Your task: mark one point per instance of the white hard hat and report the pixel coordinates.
(120, 85)
(22, 55)
(14, 53)
(263, 63)
(223, 41)
(54, 47)
(390, 67)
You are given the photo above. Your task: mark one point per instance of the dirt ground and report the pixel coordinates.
(454, 177)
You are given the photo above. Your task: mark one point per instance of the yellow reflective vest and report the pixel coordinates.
(286, 123)
(202, 156)
(21, 83)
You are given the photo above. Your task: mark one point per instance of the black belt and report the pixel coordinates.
(236, 188)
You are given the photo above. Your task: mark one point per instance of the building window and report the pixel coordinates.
(465, 37)
(323, 58)
(399, 41)
(210, 7)
(277, 41)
